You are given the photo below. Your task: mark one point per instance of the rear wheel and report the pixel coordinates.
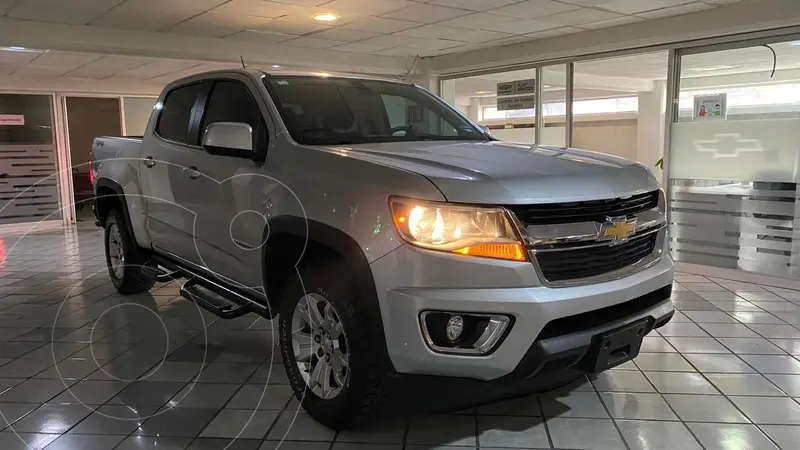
(335, 363)
(123, 258)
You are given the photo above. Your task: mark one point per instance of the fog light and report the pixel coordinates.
(463, 333)
(454, 327)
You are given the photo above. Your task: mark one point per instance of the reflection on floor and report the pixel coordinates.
(723, 375)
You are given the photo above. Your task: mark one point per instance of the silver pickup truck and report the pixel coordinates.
(389, 234)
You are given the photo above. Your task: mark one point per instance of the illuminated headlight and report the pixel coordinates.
(455, 228)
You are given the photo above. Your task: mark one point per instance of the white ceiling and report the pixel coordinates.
(383, 27)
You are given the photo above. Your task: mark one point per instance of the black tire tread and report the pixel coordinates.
(133, 281)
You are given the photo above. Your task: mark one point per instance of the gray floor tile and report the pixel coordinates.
(622, 381)
(147, 393)
(663, 362)
(637, 406)
(714, 363)
(246, 424)
(788, 383)
(90, 392)
(697, 345)
(511, 432)
(151, 442)
(733, 330)
(111, 419)
(734, 304)
(680, 383)
(773, 363)
(447, 430)
(204, 395)
(85, 442)
(743, 384)
(298, 445)
(791, 346)
(786, 437)
(226, 444)
(704, 317)
(177, 422)
(776, 331)
(573, 404)
(652, 435)
(51, 419)
(760, 296)
(356, 446)
(681, 330)
(757, 318)
(717, 436)
(597, 434)
(705, 408)
(25, 441)
(11, 412)
(271, 396)
(769, 410)
(747, 346)
(33, 391)
(703, 287)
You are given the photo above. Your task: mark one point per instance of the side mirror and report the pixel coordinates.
(229, 139)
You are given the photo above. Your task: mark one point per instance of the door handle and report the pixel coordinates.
(194, 173)
(149, 162)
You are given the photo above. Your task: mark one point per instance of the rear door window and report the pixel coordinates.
(173, 123)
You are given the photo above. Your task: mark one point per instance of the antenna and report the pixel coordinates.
(243, 64)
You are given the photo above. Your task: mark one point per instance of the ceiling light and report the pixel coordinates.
(483, 92)
(711, 68)
(325, 17)
(796, 43)
(275, 66)
(321, 74)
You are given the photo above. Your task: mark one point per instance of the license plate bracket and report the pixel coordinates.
(619, 346)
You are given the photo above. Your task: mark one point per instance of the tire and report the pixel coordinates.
(365, 391)
(127, 276)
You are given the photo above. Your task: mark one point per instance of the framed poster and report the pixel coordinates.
(710, 107)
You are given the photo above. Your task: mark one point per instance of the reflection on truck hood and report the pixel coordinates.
(503, 172)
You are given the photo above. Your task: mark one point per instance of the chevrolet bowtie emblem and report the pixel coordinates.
(618, 229)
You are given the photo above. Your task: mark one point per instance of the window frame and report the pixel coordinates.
(192, 112)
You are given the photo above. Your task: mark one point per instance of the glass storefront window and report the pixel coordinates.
(28, 160)
(734, 158)
(136, 112)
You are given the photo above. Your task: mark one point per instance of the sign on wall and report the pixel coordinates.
(710, 107)
(516, 87)
(12, 119)
(515, 103)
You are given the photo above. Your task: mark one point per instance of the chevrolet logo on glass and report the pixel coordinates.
(618, 229)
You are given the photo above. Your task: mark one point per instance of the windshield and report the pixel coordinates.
(339, 111)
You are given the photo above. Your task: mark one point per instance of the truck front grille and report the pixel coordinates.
(578, 263)
(588, 211)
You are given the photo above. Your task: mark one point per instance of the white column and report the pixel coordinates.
(650, 139)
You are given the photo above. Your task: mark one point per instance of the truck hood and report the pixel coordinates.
(509, 173)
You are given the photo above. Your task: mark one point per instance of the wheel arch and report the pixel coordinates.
(291, 240)
(109, 194)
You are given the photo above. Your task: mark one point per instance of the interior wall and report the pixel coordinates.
(137, 114)
(87, 118)
(618, 138)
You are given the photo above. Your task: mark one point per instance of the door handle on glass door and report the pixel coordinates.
(149, 162)
(194, 173)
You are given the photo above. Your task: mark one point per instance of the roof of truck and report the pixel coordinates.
(322, 73)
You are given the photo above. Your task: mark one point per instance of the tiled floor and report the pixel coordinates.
(724, 374)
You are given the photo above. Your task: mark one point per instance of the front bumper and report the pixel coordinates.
(531, 347)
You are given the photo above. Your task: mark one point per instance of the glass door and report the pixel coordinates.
(733, 161)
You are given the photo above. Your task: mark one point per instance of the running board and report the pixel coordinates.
(158, 274)
(213, 302)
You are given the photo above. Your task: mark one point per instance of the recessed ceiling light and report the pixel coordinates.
(275, 66)
(796, 43)
(711, 68)
(321, 74)
(483, 92)
(325, 17)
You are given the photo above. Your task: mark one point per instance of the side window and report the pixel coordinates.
(231, 101)
(173, 123)
(403, 112)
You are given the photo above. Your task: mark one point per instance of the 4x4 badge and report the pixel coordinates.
(618, 229)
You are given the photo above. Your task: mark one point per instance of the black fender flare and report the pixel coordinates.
(107, 183)
(322, 234)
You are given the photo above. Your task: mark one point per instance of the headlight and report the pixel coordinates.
(466, 230)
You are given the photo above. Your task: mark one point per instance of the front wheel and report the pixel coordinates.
(123, 258)
(335, 364)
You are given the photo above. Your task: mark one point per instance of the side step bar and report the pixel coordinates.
(212, 302)
(207, 293)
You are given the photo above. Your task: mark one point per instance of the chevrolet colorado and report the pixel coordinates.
(387, 232)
